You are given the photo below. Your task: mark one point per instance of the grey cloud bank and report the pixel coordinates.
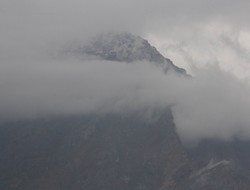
(192, 33)
(39, 22)
(213, 104)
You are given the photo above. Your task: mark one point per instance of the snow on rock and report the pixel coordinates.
(123, 47)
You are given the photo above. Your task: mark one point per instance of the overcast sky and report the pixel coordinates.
(190, 32)
(209, 38)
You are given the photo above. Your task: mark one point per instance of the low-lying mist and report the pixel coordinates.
(212, 104)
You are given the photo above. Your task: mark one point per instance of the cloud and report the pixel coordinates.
(194, 34)
(40, 22)
(213, 104)
(207, 43)
(73, 86)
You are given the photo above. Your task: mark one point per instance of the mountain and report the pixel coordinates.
(90, 152)
(220, 164)
(124, 151)
(122, 47)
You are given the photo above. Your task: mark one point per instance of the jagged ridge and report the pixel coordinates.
(123, 47)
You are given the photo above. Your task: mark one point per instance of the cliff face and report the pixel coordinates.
(91, 152)
(220, 164)
(114, 151)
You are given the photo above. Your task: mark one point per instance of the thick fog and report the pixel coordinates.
(211, 39)
(211, 104)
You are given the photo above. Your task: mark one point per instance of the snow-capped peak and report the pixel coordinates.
(123, 47)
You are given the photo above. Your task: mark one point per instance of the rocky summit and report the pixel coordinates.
(122, 47)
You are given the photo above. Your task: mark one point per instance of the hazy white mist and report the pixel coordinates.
(212, 104)
(211, 42)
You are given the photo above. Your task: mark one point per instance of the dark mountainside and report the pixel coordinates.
(117, 151)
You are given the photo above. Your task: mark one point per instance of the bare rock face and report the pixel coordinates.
(91, 152)
(220, 165)
(123, 47)
(113, 151)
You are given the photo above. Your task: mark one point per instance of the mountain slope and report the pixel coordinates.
(90, 152)
(122, 47)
